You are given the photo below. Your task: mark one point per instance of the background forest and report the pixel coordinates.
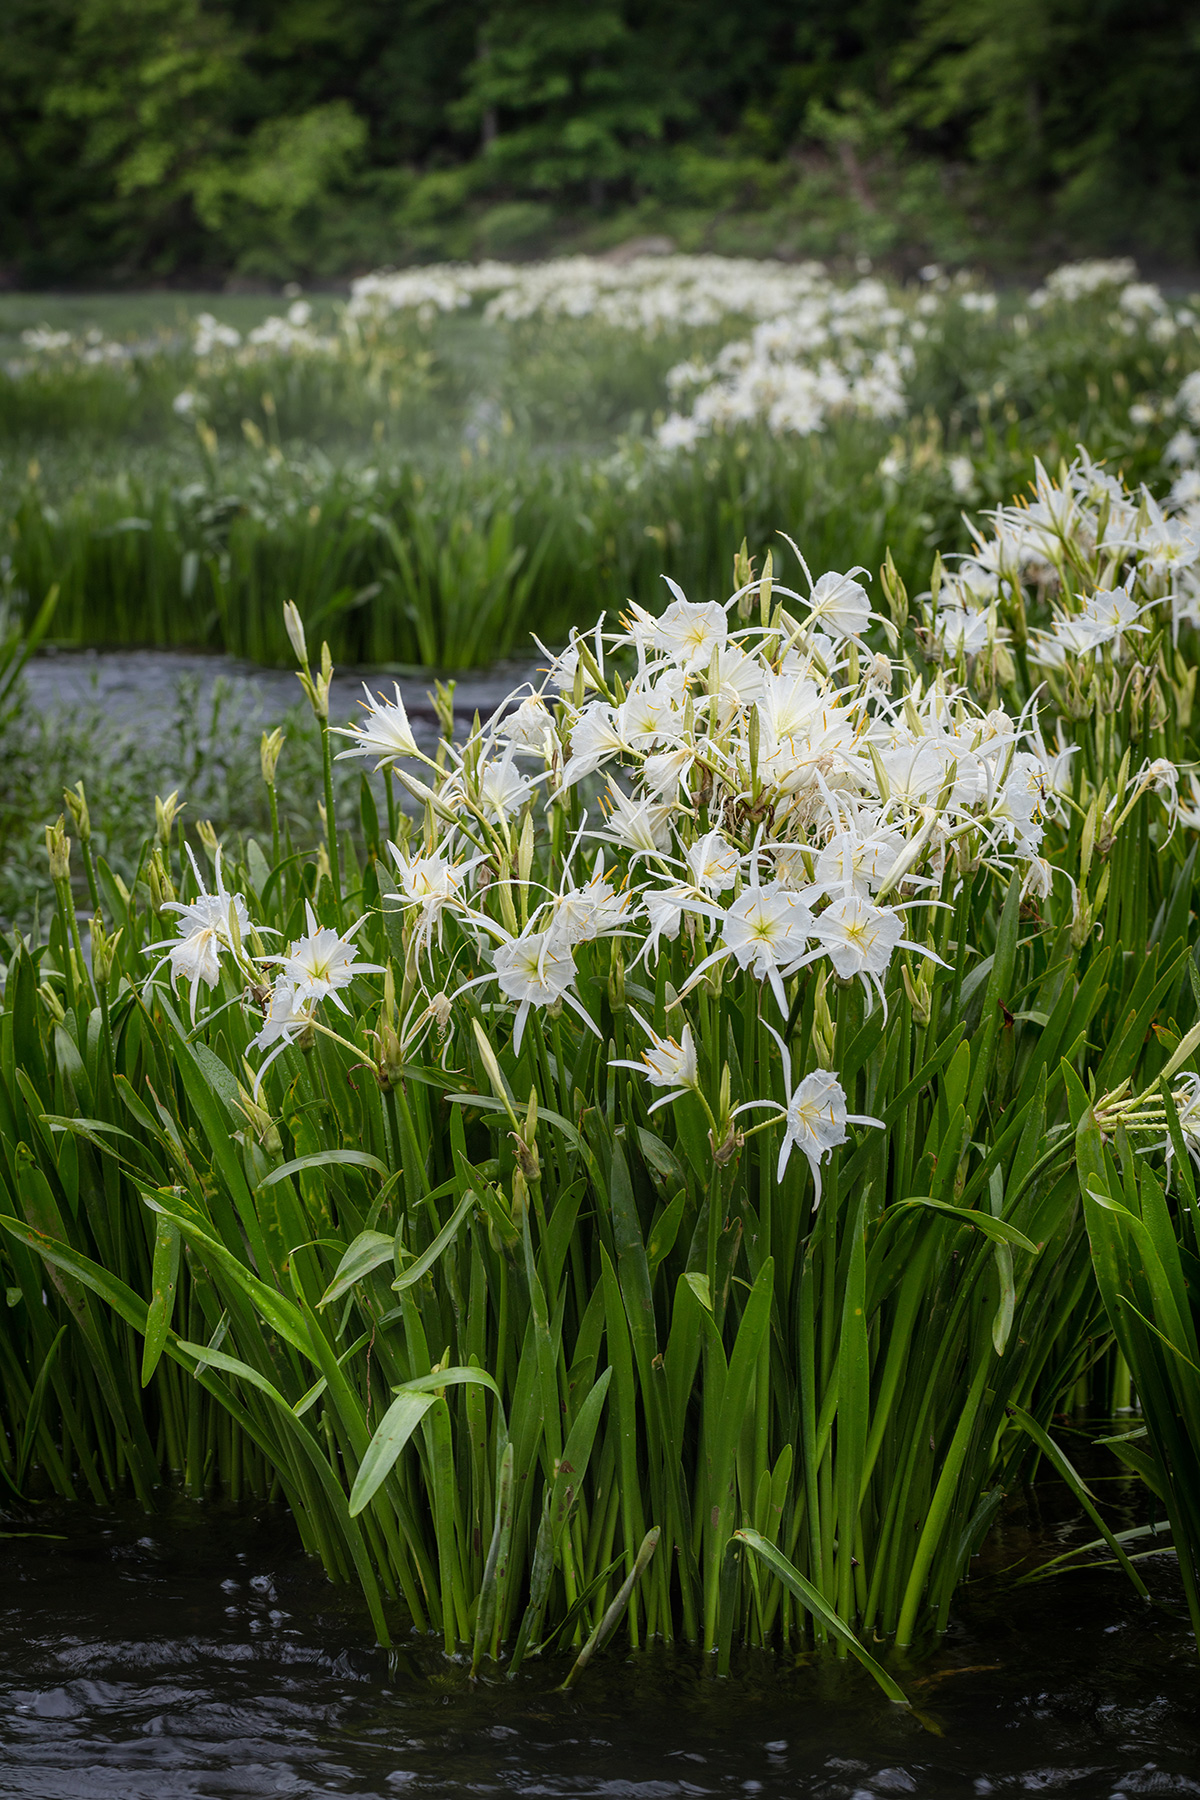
(184, 139)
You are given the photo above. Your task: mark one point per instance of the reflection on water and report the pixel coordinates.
(199, 1654)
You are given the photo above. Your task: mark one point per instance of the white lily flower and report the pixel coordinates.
(814, 1118)
(766, 930)
(203, 931)
(595, 739)
(536, 969)
(689, 633)
(667, 1063)
(840, 605)
(713, 863)
(431, 882)
(594, 910)
(637, 824)
(324, 961)
(859, 938)
(386, 734)
(286, 1017)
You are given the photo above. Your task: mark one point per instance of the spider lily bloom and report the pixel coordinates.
(503, 789)
(285, 1019)
(858, 938)
(203, 930)
(765, 930)
(713, 863)
(667, 1063)
(840, 605)
(1186, 1100)
(857, 863)
(386, 734)
(590, 911)
(322, 962)
(814, 1118)
(596, 737)
(1107, 615)
(535, 969)
(525, 728)
(431, 883)
(653, 710)
(689, 633)
(637, 825)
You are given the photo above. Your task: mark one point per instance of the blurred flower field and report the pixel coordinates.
(457, 455)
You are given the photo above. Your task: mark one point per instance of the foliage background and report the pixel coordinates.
(273, 138)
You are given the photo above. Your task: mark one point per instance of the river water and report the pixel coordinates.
(198, 1653)
(143, 686)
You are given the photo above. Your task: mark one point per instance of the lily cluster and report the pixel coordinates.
(753, 789)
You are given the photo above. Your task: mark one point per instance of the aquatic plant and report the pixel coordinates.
(640, 1178)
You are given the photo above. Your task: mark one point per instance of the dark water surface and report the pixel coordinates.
(199, 1654)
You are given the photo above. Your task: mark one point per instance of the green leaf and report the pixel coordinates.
(162, 1303)
(810, 1598)
(393, 1432)
(320, 1159)
(413, 1273)
(369, 1251)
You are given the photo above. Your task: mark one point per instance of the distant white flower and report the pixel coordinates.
(184, 404)
(961, 471)
(386, 734)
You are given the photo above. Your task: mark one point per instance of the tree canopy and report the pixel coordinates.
(161, 138)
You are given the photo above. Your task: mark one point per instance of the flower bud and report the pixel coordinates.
(58, 848)
(165, 813)
(77, 806)
(162, 889)
(616, 978)
(206, 832)
(294, 626)
(269, 750)
(104, 950)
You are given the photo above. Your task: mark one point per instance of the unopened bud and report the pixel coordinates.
(77, 806)
(158, 876)
(165, 813)
(616, 978)
(206, 832)
(743, 573)
(269, 749)
(104, 950)
(294, 626)
(764, 589)
(58, 848)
